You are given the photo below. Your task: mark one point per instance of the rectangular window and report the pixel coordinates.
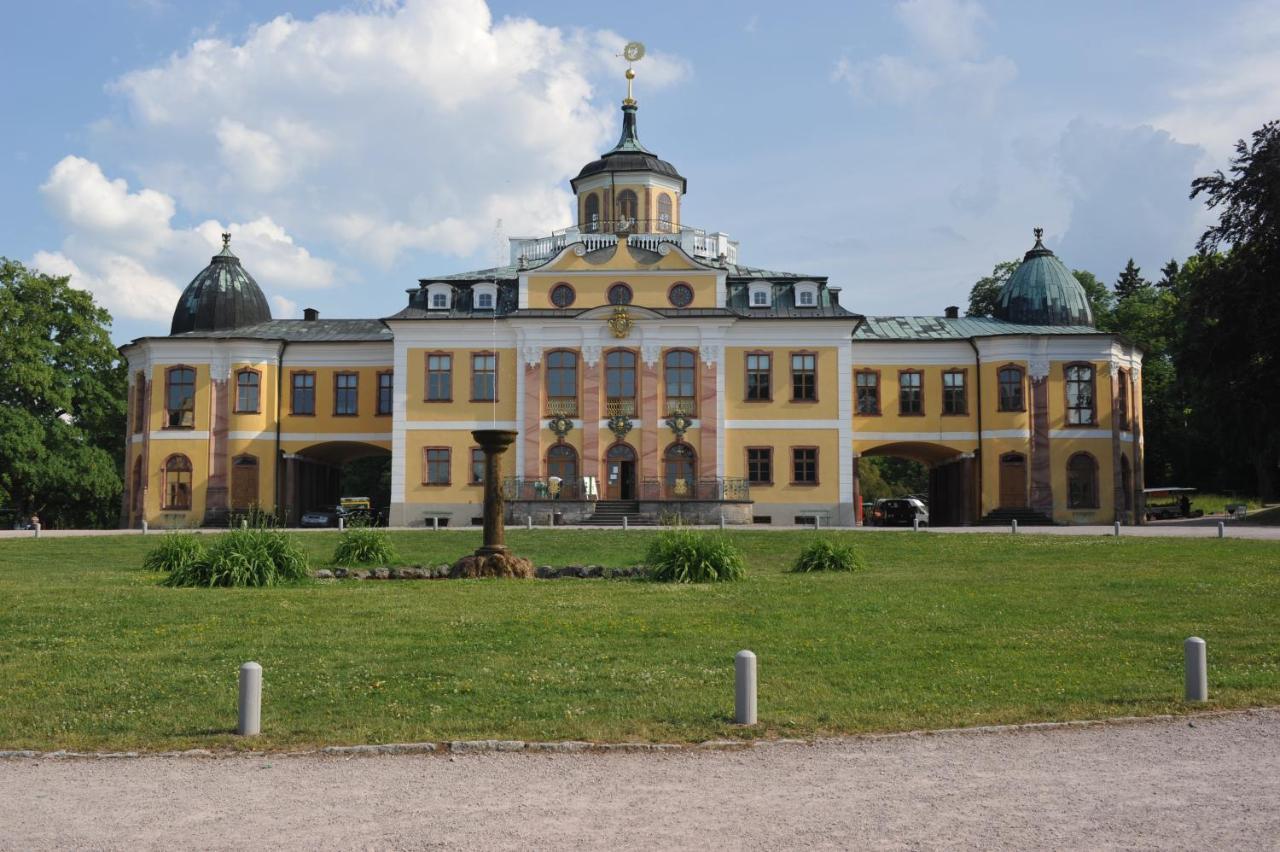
(346, 394)
(477, 466)
(804, 377)
(868, 387)
(955, 398)
(562, 383)
(386, 392)
(910, 392)
(1011, 389)
(1080, 404)
(760, 465)
(435, 466)
(679, 367)
(302, 399)
(484, 372)
(804, 465)
(759, 370)
(439, 378)
(1122, 399)
(247, 387)
(439, 300)
(180, 398)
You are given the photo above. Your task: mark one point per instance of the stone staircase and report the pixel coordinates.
(1024, 517)
(609, 513)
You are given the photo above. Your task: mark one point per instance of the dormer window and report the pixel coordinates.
(439, 296)
(806, 294)
(761, 295)
(484, 301)
(485, 296)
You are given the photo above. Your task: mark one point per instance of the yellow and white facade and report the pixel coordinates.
(644, 368)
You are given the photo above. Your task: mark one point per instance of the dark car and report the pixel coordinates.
(899, 512)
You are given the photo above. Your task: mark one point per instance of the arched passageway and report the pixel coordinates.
(318, 476)
(952, 478)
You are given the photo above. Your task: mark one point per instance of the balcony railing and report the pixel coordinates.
(562, 406)
(644, 233)
(624, 406)
(545, 488)
(717, 488)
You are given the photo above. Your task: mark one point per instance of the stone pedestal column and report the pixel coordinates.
(494, 442)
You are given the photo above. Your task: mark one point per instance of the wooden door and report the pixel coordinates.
(620, 473)
(244, 482)
(1013, 481)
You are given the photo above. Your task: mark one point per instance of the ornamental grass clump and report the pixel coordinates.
(685, 556)
(825, 555)
(247, 557)
(363, 546)
(175, 552)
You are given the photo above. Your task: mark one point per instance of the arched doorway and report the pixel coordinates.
(1013, 481)
(244, 483)
(944, 477)
(562, 464)
(620, 466)
(680, 465)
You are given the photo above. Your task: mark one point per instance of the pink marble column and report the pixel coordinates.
(708, 420)
(531, 428)
(219, 423)
(591, 463)
(650, 436)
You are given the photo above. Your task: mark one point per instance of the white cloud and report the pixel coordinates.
(949, 64)
(383, 129)
(123, 248)
(283, 308)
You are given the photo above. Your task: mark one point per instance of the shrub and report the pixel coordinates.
(825, 555)
(363, 546)
(685, 556)
(175, 552)
(252, 557)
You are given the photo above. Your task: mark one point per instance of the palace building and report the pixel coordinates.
(649, 372)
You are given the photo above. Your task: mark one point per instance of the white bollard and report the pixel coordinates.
(528, 522)
(1015, 526)
(722, 520)
(435, 522)
(744, 688)
(915, 524)
(341, 523)
(1222, 530)
(35, 528)
(250, 719)
(244, 524)
(624, 522)
(1117, 529)
(1193, 651)
(144, 526)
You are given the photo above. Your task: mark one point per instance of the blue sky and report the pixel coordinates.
(901, 148)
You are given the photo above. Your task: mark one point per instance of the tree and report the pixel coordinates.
(1168, 274)
(62, 411)
(1098, 294)
(1130, 282)
(1230, 350)
(985, 293)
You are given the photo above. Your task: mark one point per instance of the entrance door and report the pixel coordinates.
(244, 482)
(620, 476)
(1013, 481)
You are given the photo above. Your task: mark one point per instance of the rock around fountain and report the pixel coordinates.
(493, 559)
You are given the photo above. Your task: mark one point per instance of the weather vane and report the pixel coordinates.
(633, 53)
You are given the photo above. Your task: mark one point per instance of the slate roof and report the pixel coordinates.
(223, 295)
(629, 155)
(942, 328)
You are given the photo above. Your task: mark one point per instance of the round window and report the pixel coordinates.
(619, 294)
(562, 295)
(680, 295)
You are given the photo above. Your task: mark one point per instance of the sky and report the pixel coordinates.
(901, 148)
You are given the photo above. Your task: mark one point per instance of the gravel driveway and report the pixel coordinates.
(1203, 782)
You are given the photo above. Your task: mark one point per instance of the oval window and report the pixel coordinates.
(619, 294)
(680, 295)
(562, 295)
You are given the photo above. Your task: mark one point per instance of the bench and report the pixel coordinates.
(1237, 510)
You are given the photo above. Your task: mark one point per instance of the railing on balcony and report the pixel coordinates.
(643, 233)
(547, 488)
(562, 406)
(716, 488)
(620, 406)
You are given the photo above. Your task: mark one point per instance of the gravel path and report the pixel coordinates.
(1202, 782)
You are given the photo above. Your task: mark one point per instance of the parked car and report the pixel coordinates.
(319, 518)
(899, 512)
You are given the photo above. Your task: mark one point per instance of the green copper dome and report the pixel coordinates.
(223, 296)
(1042, 291)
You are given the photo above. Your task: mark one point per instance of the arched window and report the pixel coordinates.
(180, 398)
(619, 294)
(678, 371)
(562, 295)
(562, 461)
(1081, 410)
(1082, 482)
(1010, 381)
(680, 464)
(247, 386)
(1122, 398)
(628, 210)
(664, 212)
(620, 380)
(135, 494)
(562, 383)
(680, 295)
(591, 217)
(177, 483)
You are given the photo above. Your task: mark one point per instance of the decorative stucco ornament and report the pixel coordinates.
(679, 423)
(620, 323)
(620, 425)
(560, 425)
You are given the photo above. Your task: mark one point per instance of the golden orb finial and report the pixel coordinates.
(633, 52)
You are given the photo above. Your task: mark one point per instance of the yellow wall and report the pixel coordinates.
(324, 420)
(461, 408)
(646, 203)
(932, 420)
(782, 491)
(781, 406)
(459, 490)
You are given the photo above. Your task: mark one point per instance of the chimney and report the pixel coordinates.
(835, 295)
(953, 312)
(310, 314)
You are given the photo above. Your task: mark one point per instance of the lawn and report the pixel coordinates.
(940, 631)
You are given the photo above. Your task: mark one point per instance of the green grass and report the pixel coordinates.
(1216, 504)
(938, 631)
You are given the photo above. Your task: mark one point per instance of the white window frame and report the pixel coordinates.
(478, 291)
(439, 289)
(806, 287)
(764, 289)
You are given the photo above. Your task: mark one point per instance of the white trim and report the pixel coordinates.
(399, 398)
(1022, 434)
(844, 386)
(719, 361)
(781, 424)
(445, 425)
(325, 437)
(1080, 433)
(179, 435)
(338, 355)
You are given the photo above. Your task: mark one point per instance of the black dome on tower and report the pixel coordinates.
(223, 296)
